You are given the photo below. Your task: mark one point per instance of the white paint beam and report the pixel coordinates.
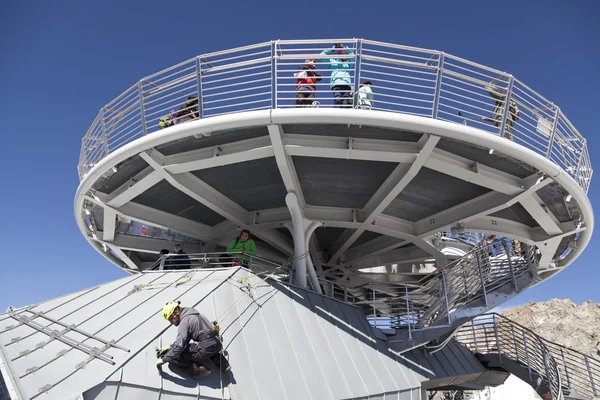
(147, 244)
(157, 218)
(285, 164)
(350, 149)
(133, 188)
(218, 156)
(387, 192)
(474, 172)
(216, 201)
(121, 254)
(533, 205)
(373, 247)
(398, 256)
(110, 224)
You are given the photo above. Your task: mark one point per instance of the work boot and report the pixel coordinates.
(200, 371)
(221, 362)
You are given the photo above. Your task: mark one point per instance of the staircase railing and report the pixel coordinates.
(561, 367)
(433, 299)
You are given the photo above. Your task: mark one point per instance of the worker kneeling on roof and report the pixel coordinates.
(191, 326)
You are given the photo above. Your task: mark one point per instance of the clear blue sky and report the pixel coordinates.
(61, 61)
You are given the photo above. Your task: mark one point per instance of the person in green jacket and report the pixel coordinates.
(242, 244)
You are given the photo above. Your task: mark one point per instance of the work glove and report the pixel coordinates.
(159, 364)
(161, 352)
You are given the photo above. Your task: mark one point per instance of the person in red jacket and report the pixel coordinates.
(306, 86)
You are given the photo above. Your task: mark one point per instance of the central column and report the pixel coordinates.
(301, 230)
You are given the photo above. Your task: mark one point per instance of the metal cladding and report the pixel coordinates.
(282, 342)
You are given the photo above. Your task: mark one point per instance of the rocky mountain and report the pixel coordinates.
(563, 322)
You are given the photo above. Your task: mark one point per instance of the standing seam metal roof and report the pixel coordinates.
(282, 342)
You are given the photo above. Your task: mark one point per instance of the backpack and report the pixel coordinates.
(168, 120)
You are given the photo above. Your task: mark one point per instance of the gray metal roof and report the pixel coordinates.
(282, 343)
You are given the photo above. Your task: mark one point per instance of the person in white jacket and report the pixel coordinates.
(364, 96)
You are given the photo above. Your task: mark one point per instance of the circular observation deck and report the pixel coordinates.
(380, 179)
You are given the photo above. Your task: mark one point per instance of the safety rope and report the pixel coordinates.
(245, 281)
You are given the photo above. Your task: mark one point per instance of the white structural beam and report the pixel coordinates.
(134, 187)
(396, 227)
(124, 257)
(478, 207)
(373, 247)
(285, 163)
(147, 244)
(398, 256)
(350, 148)
(548, 222)
(387, 192)
(474, 172)
(157, 218)
(216, 201)
(218, 156)
(548, 250)
(110, 224)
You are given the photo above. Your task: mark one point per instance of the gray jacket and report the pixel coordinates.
(193, 326)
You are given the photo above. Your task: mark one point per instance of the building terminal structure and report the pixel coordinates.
(377, 210)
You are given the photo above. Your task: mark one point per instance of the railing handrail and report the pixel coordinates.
(576, 374)
(457, 87)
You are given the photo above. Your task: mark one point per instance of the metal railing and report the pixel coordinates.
(433, 299)
(403, 79)
(560, 366)
(184, 261)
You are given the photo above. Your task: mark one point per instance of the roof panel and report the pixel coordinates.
(327, 236)
(431, 192)
(254, 185)
(125, 171)
(340, 183)
(282, 342)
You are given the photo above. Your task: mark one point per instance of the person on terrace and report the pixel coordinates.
(241, 248)
(341, 79)
(306, 86)
(499, 95)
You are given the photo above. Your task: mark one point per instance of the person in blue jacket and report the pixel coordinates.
(341, 78)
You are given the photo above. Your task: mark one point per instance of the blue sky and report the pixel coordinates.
(61, 61)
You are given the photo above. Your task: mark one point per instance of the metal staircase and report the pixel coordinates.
(549, 367)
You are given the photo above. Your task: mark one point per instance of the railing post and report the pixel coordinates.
(438, 86)
(199, 77)
(587, 364)
(357, 68)
(374, 307)
(104, 134)
(562, 353)
(408, 312)
(548, 377)
(273, 75)
(142, 108)
(498, 349)
(527, 355)
(446, 296)
(512, 271)
(579, 162)
(250, 263)
(345, 294)
(512, 330)
(478, 258)
(553, 132)
(506, 110)
(474, 337)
